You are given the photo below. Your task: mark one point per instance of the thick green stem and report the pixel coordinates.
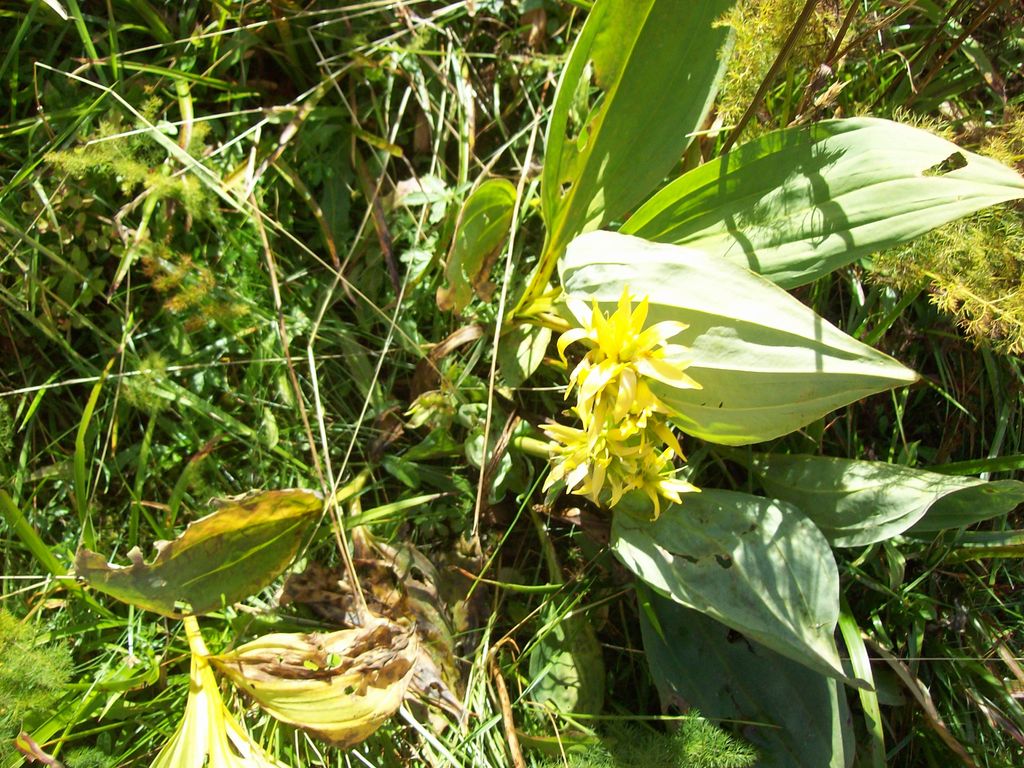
(195, 637)
(533, 446)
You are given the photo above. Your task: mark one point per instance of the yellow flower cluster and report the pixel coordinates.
(625, 443)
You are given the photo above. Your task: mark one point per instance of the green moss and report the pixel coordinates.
(142, 391)
(134, 160)
(697, 744)
(973, 268)
(88, 757)
(762, 27)
(32, 676)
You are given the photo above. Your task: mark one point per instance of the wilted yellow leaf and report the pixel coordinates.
(340, 686)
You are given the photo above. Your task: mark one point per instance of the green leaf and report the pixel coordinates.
(570, 664)
(860, 502)
(982, 545)
(794, 716)
(18, 524)
(483, 227)
(768, 365)
(757, 565)
(980, 502)
(218, 560)
(860, 662)
(521, 351)
(646, 57)
(796, 204)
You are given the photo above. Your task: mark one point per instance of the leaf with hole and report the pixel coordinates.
(757, 565)
(340, 686)
(795, 204)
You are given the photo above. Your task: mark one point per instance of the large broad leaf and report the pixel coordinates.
(757, 565)
(795, 204)
(570, 664)
(794, 716)
(218, 560)
(483, 227)
(767, 364)
(860, 502)
(656, 65)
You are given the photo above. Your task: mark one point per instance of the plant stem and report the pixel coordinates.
(195, 637)
(533, 446)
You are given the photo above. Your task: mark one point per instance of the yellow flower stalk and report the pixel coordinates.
(625, 443)
(209, 735)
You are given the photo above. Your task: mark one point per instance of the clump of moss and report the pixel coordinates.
(762, 27)
(1006, 144)
(974, 267)
(697, 744)
(190, 289)
(88, 757)
(142, 391)
(134, 160)
(32, 676)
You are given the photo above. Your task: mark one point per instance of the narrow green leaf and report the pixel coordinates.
(860, 662)
(860, 502)
(23, 529)
(219, 559)
(767, 364)
(982, 545)
(795, 204)
(483, 227)
(81, 459)
(795, 717)
(606, 153)
(757, 565)
(977, 466)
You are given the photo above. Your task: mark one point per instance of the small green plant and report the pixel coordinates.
(32, 677)
(704, 262)
(973, 268)
(696, 743)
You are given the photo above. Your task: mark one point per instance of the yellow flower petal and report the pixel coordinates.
(666, 373)
(570, 337)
